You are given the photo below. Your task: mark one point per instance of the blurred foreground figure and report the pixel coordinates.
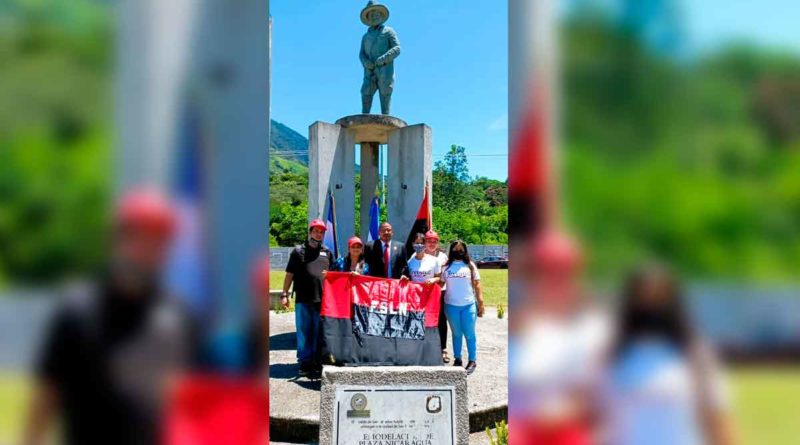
(663, 385)
(112, 346)
(220, 404)
(555, 354)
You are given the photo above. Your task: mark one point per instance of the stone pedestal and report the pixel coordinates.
(414, 404)
(331, 151)
(331, 166)
(369, 182)
(410, 168)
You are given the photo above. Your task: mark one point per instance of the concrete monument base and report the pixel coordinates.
(295, 402)
(331, 167)
(373, 128)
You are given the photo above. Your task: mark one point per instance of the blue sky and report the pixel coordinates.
(767, 22)
(452, 73)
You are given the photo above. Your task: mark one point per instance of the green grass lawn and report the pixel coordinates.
(493, 281)
(767, 405)
(14, 390)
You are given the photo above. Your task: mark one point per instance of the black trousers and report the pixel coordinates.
(442, 324)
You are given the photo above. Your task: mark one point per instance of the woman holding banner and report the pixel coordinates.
(354, 261)
(432, 248)
(463, 301)
(423, 268)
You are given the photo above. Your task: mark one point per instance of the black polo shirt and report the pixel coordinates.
(306, 264)
(108, 358)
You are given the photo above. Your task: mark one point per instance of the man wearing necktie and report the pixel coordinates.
(387, 258)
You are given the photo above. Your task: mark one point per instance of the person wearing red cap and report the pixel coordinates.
(354, 262)
(423, 268)
(304, 273)
(432, 248)
(556, 354)
(111, 346)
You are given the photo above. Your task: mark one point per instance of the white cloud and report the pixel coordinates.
(499, 123)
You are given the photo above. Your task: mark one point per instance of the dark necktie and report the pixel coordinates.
(386, 259)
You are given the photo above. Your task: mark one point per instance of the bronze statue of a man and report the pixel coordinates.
(379, 48)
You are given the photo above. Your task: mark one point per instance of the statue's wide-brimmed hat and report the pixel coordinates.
(372, 5)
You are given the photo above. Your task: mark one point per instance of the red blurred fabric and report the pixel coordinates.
(218, 410)
(530, 433)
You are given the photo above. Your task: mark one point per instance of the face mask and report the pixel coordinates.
(457, 255)
(419, 248)
(313, 243)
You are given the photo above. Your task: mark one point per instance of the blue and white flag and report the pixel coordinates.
(331, 241)
(187, 270)
(374, 219)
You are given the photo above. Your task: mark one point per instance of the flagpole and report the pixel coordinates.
(379, 195)
(335, 223)
(429, 193)
(381, 173)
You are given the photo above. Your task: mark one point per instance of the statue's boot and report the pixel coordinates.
(366, 104)
(386, 100)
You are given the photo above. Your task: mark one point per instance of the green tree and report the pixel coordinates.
(451, 179)
(289, 224)
(55, 139)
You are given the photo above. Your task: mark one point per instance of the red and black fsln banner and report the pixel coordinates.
(378, 321)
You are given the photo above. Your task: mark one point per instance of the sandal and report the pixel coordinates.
(445, 357)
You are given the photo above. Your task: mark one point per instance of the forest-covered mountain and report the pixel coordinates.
(288, 149)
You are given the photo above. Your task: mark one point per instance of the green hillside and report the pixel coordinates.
(288, 171)
(288, 143)
(281, 165)
(288, 150)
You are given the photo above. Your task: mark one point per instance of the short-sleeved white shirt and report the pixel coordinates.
(424, 269)
(442, 257)
(458, 279)
(652, 395)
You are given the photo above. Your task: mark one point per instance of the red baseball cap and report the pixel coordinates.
(146, 210)
(430, 234)
(354, 240)
(554, 249)
(317, 223)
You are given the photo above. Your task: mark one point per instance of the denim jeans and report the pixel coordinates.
(462, 323)
(307, 322)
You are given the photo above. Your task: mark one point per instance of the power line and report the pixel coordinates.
(289, 154)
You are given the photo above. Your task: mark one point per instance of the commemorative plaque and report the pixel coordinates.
(396, 415)
(394, 405)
